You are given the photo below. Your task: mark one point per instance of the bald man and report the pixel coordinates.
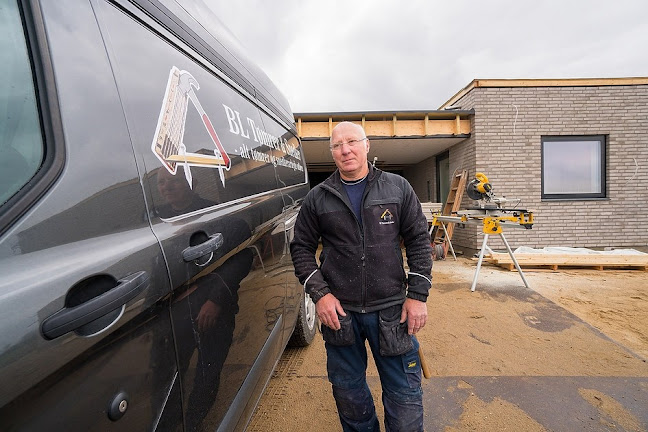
(360, 288)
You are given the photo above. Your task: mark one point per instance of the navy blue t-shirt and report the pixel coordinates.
(355, 191)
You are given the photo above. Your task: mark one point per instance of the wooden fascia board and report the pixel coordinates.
(563, 82)
(461, 93)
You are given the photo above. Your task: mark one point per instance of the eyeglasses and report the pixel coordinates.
(352, 143)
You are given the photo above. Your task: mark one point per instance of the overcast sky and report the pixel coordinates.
(379, 55)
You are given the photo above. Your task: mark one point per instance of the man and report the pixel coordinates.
(178, 196)
(360, 289)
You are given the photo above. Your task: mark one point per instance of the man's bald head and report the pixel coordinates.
(349, 147)
(346, 125)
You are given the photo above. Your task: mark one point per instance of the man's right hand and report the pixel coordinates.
(327, 309)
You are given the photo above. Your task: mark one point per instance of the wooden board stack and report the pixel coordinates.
(553, 261)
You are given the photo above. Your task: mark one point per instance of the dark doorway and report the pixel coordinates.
(317, 177)
(443, 176)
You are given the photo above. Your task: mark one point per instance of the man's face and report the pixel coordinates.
(173, 188)
(351, 160)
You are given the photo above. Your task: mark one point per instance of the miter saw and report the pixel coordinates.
(481, 190)
(490, 211)
(492, 217)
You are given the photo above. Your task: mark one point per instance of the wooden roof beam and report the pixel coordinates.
(424, 127)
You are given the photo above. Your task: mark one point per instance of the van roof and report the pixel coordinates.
(198, 26)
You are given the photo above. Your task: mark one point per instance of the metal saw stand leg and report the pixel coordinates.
(517, 266)
(481, 258)
(479, 262)
(447, 237)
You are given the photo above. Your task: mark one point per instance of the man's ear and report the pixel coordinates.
(368, 145)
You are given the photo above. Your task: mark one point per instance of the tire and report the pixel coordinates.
(306, 326)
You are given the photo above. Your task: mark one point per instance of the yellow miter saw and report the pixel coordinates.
(491, 216)
(490, 210)
(479, 188)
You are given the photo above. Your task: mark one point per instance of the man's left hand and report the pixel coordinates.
(208, 315)
(415, 313)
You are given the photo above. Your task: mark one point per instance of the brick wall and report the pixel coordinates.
(506, 145)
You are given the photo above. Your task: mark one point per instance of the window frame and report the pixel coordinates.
(602, 139)
(49, 116)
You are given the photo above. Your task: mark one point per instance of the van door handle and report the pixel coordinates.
(192, 253)
(69, 319)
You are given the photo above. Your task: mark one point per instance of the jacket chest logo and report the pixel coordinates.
(386, 218)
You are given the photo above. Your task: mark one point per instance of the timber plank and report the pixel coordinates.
(571, 259)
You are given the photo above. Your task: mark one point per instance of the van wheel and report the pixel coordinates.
(306, 326)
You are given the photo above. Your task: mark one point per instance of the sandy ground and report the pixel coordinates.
(569, 354)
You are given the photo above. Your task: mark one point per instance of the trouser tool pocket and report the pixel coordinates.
(342, 337)
(394, 339)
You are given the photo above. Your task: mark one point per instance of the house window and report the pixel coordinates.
(573, 167)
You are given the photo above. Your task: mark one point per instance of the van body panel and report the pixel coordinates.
(87, 233)
(182, 171)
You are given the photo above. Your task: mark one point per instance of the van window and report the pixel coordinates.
(21, 142)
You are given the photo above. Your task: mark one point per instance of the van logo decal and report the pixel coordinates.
(386, 218)
(167, 142)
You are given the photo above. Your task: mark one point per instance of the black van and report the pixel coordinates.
(150, 177)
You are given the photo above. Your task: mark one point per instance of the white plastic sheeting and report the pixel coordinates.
(581, 251)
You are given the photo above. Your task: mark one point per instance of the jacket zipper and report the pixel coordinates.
(364, 251)
(363, 288)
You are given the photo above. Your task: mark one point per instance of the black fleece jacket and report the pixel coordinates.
(363, 266)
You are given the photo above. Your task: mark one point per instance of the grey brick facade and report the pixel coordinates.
(506, 145)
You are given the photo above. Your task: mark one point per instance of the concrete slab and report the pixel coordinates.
(554, 403)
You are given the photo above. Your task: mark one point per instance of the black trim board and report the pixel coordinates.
(602, 139)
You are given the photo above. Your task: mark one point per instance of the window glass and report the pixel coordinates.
(573, 167)
(21, 144)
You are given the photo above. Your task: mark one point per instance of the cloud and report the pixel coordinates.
(387, 55)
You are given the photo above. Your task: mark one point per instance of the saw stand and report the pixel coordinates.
(481, 259)
(493, 220)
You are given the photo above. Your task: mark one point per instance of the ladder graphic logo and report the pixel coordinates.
(386, 218)
(167, 142)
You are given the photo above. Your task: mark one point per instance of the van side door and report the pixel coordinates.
(209, 179)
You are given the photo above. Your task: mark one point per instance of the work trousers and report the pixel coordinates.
(400, 378)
